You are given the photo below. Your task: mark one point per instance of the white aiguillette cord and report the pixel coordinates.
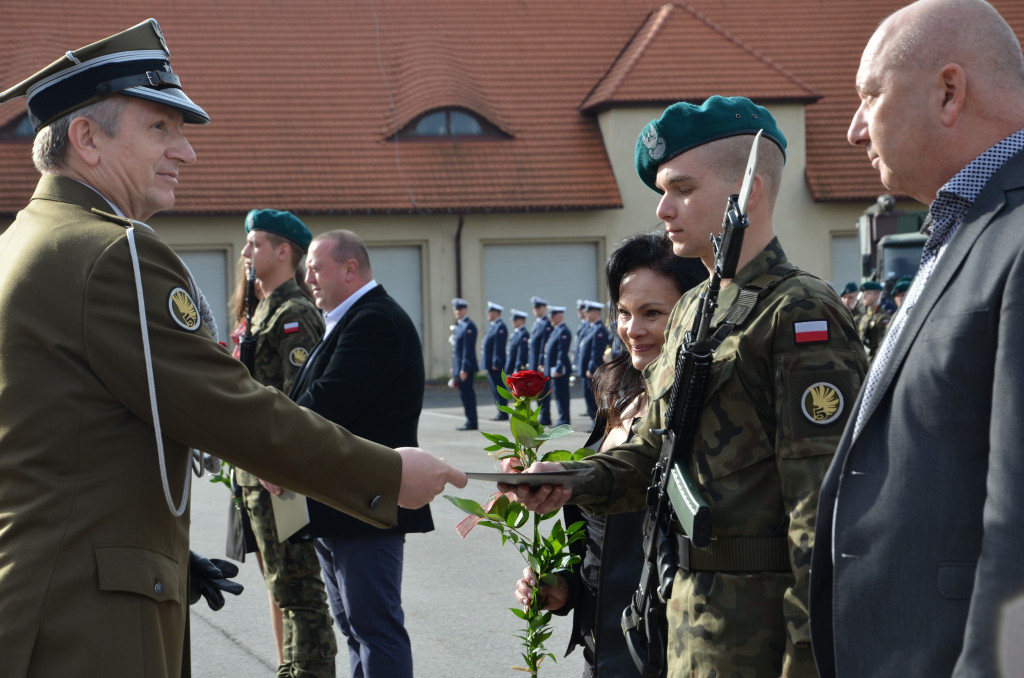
(176, 512)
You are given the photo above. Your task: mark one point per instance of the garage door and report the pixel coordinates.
(400, 271)
(558, 272)
(209, 268)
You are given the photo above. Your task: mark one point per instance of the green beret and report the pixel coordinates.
(135, 62)
(901, 286)
(850, 288)
(284, 224)
(870, 285)
(685, 126)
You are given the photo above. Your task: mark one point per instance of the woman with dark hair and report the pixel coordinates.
(645, 280)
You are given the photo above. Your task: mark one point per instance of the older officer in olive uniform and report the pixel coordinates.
(538, 341)
(464, 364)
(109, 378)
(557, 364)
(286, 326)
(779, 394)
(493, 354)
(518, 344)
(874, 322)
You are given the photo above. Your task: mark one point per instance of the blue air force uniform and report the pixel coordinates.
(518, 347)
(493, 356)
(590, 356)
(538, 340)
(556, 361)
(464, 360)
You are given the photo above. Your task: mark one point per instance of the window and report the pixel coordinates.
(19, 128)
(449, 122)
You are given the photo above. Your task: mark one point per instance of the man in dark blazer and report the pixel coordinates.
(464, 363)
(920, 530)
(492, 355)
(366, 374)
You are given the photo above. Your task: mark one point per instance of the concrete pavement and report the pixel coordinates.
(456, 592)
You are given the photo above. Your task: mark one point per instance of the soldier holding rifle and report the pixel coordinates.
(784, 371)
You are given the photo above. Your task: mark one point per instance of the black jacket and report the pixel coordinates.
(367, 376)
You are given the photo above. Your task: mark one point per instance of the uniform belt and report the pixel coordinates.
(738, 554)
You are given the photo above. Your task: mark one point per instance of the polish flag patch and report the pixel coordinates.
(291, 328)
(811, 332)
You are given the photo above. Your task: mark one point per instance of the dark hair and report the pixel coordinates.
(617, 383)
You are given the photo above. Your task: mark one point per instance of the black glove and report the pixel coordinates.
(207, 578)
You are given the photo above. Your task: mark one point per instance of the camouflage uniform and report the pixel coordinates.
(776, 406)
(287, 325)
(872, 326)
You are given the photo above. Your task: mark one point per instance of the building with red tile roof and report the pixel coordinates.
(331, 108)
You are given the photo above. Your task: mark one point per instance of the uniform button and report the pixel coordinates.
(158, 589)
(374, 502)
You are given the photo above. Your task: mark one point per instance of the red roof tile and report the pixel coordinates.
(306, 96)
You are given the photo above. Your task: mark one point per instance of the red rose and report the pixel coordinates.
(526, 384)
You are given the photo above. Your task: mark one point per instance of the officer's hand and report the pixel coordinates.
(207, 578)
(424, 477)
(556, 374)
(551, 597)
(463, 375)
(543, 498)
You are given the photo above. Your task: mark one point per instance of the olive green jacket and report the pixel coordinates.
(93, 565)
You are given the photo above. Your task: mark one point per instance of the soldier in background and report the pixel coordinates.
(874, 322)
(557, 364)
(851, 298)
(286, 325)
(518, 344)
(780, 390)
(493, 354)
(538, 340)
(464, 364)
(590, 356)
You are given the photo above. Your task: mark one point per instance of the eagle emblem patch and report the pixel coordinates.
(183, 310)
(298, 356)
(822, 403)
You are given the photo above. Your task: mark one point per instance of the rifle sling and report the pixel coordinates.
(738, 554)
(757, 289)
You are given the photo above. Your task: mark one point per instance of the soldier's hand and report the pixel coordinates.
(463, 375)
(424, 477)
(543, 498)
(551, 597)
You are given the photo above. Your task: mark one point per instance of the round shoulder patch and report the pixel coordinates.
(183, 310)
(298, 356)
(822, 403)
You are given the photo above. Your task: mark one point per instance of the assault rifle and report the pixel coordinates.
(673, 491)
(247, 345)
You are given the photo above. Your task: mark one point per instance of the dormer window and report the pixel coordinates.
(449, 122)
(19, 128)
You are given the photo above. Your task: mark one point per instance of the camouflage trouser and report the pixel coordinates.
(731, 625)
(292, 573)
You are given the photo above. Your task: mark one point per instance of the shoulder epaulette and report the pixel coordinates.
(120, 221)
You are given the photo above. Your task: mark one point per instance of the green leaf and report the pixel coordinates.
(494, 448)
(468, 505)
(506, 409)
(504, 392)
(555, 432)
(582, 453)
(525, 433)
(497, 438)
(556, 455)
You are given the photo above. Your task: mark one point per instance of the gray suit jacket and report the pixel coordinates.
(926, 505)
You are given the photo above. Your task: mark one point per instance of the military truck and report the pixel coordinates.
(890, 242)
